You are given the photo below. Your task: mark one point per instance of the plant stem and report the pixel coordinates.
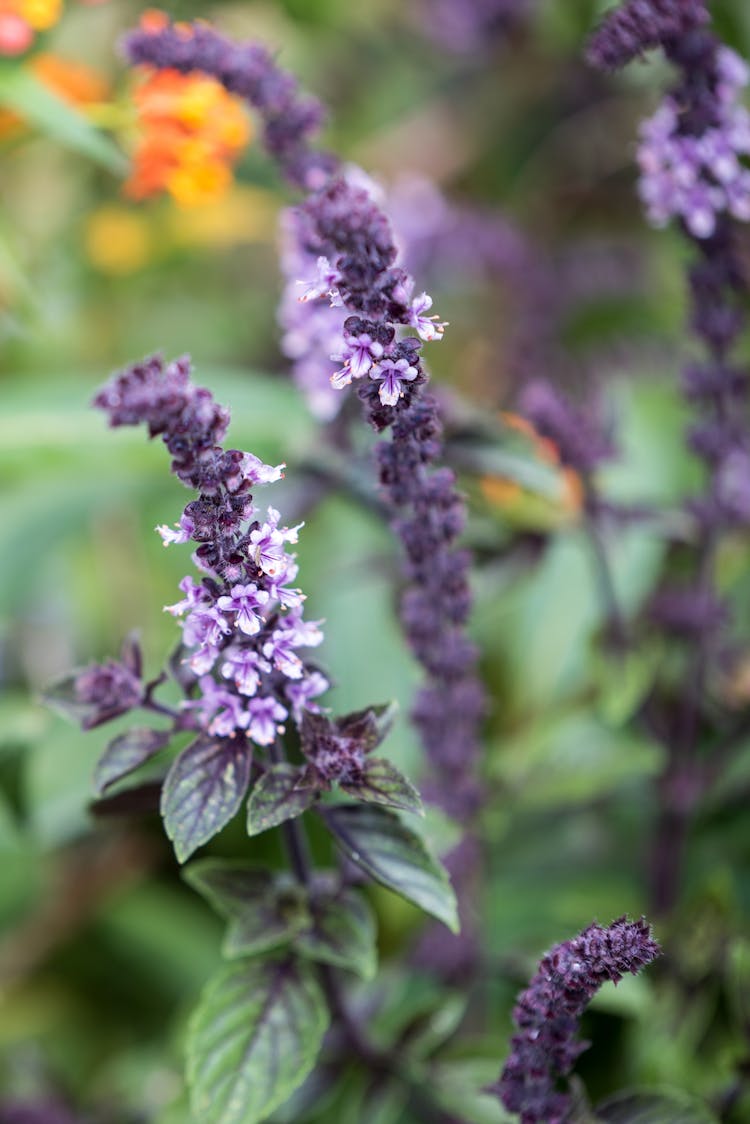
(616, 629)
(378, 1061)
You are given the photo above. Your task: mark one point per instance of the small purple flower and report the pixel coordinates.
(256, 472)
(203, 630)
(230, 718)
(300, 692)
(183, 534)
(194, 595)
(324, 285)
(428, 328)
(267, 543)
(244, 666)
(358, 357)
(293, 633)
(263, 718)
(243, 600)
(392, 374)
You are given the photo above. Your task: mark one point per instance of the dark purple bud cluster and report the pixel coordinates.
(547, 1014)
(100, 692)
(436, 605)
(576, 432)
(336, 748)
(343, 227)
(638, 26)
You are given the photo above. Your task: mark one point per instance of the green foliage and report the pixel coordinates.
(202, 791)
(21, 91)
(382, 783)
(253, 1039)
(265, 911)
(126, 753)
(388, 851)
(281, 794)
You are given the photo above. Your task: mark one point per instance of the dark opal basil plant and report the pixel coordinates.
(252, 694)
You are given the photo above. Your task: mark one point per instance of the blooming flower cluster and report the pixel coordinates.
(243, 625)
(190, 133)
(696, 178)
(21, 20)
(692, 158)
(344, 231)
(548, 1011)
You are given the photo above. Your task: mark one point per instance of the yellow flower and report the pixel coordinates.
(40, 14)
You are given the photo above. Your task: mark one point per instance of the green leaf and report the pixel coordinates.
(457, 1085)
(381, 783)
(253, 1039)
(279, 795)
(21, 91)
(342, 933)
(389, 852)
(264, 911)
(202, 791)
(125, 754)
(648, 1107)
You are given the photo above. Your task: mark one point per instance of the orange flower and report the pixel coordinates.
(74, 82)
(191, 132)
(510, 496)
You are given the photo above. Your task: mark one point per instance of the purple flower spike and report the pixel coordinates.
(641, 25)
(244, 606)
(696, 178)
(548, 1012)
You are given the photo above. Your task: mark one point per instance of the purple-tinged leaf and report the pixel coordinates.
(131, 656)
(264, 910)
(126, 753)
(95, 694)
(282, 793)
(203, 790)
(380, 782)
(253, 1039)
(342, 933)
(379, 843)
(363, 729)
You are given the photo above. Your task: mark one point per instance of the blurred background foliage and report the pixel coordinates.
(103, 950)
